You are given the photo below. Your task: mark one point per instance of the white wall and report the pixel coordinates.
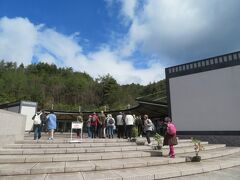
(12, 127)
(29, 112)
(207, 101)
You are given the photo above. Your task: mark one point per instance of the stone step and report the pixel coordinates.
(68, 145)
(96, 156)
(64, 150)
(157, 172)
(72, 157)
(214, 153)
(67, 140)
(85, 145)
(103, 165)
(61, 140)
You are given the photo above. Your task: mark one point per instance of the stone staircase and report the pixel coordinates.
(107, 159)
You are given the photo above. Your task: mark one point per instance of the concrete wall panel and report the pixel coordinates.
(12, 127)
(207, 101)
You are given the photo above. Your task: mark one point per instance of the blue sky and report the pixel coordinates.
(133, 40)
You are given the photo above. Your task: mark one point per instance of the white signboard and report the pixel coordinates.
(77, 125)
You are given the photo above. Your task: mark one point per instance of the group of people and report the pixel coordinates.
(43, 122)
(103, 126)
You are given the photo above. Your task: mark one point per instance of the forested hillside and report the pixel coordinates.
(66, 89)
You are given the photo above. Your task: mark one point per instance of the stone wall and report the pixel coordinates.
(12, 127)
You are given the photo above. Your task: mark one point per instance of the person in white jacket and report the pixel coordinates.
(120, 125)
(129, 120)
(37, 125)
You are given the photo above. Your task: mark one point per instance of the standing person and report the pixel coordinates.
(148, 128)
(161, 127)
(129, 120)
(52, 124)
(89, 126)
(37, 125)
(94, 123)
(139, 124)
(170, 137)
(79, 119)
(44, 122)
(120, 125)
(124, 125)
(101, 125)
(110, 125)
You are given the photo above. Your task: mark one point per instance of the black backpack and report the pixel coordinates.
(111, 121)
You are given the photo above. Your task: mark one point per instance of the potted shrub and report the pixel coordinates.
(140, 142)
(134, 134)
(157, 137)
(197, 148)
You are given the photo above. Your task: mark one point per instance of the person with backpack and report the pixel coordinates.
(37, 125)
(110, 125)
(170, 137)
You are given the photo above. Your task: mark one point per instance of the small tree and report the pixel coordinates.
(157, 137)
(197, 145)
(134, 132)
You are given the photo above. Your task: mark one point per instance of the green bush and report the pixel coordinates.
(157, 137)
(134, 132)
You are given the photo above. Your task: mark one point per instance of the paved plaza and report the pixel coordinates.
(113, 159)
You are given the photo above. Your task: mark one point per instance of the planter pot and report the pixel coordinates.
(157, 147)
(133, 140)
(196, 159)
(140, 143)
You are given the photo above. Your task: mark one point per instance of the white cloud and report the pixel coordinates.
(21, 40)
(128, 8)
(180, 30)
(166, 31)
(18, 37)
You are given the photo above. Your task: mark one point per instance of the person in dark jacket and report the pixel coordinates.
(80, 120)
(170, 139)
(94, 124)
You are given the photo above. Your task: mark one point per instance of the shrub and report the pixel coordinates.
(134, 132)
(157, 137)
(197, 145)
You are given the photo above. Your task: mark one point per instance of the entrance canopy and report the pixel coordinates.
(151, 108)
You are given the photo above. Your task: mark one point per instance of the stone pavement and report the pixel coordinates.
(108, 159)
(224, 174)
